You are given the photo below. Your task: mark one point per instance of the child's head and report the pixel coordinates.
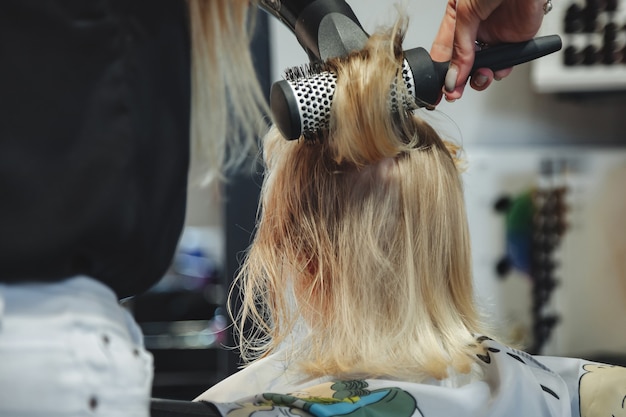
(362, 241)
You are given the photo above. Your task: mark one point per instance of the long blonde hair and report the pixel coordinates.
(228, 106)
(361, 260)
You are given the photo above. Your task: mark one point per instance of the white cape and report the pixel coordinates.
(514, 384)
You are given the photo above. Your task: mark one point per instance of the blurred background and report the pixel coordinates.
(545, 188)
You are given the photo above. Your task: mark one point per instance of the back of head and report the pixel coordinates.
(362, 241)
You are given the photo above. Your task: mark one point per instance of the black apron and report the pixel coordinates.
(94, 139)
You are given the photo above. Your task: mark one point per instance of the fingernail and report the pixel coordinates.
(480, 80)
(451, 76)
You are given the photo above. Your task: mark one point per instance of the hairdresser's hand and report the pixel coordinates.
(486, 21)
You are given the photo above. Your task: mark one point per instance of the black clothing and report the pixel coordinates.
(94, 139)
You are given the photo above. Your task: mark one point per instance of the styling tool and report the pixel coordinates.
(326, 29)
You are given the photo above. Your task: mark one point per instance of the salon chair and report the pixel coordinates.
(176, 408)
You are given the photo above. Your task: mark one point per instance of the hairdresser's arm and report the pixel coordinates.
(487, 21)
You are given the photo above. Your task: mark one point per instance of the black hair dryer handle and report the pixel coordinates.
(507, 55)
(429, 75)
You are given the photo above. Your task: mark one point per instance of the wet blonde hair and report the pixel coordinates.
(361, 260)
(225, 88)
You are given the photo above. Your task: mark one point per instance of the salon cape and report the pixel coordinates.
(514, 384)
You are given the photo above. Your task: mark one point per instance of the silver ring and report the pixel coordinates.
(547, 7)
(480, 45)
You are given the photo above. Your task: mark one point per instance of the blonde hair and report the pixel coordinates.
(362, 243)
(225, 89)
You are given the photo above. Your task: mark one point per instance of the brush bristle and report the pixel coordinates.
(312, 69)
(314, 136)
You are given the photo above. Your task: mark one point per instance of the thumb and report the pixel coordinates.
(441, 50)
(462, 56)
(469, 16)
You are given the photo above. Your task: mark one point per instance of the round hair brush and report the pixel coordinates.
(301, 103)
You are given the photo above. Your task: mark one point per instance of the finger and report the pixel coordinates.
(456, 94)
(498, 75)
(441, 49)
(481, 79)
(463, 49)
(462, 59)
(469, 16)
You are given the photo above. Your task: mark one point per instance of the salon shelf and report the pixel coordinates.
(185, 373)
(189, 360)
(178, 305)
(593, 58)
(185, 330)
(188, 334)
(183, 385)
